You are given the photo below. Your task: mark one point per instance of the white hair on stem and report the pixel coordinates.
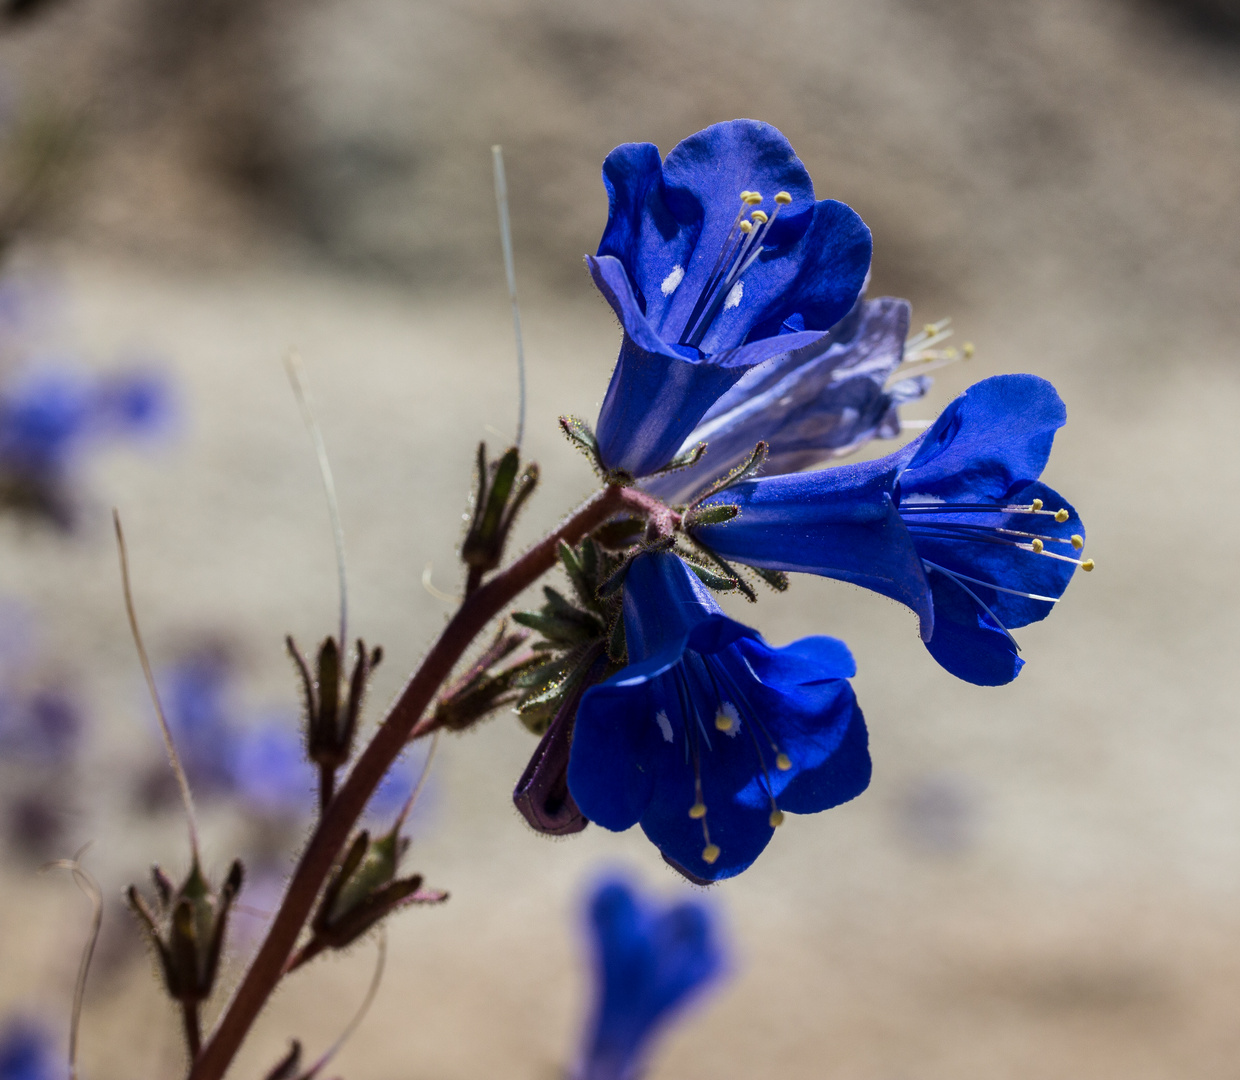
(90, 887)
(301, 391)
(510, 272)
(174, 758)
(358, 1017)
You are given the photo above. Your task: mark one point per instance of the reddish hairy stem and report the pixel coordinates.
(327, 785)
(399, 726)
(193, 1030)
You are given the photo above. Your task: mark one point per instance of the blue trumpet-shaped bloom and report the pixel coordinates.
(710, 734)
(651, 961)
(715, 260)
(807, 408)
(955, 525)
(28, 1053)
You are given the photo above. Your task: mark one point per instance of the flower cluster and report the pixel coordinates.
(749, 353)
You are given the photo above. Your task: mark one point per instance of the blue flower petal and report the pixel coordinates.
(656, 395)
(809, 710)
(1006, 566)
(650, 962)
(682, 605)
(966, 641)
(673, 230)
(28, 1052)
(807, 405)
(703, 177)
(797, 698)
(842, 775)
(633, 176)
(44, 418)
(839, 523)
(270, 769)
(611, 771)
(740, 830)
(918, 525)
(648, 737)
(998, 433)
(819, 280)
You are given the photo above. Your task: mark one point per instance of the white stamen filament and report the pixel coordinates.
(990, 585)
(720, 291)
(1037, 536)
(975, 508)
(976, 599)
(930, 335)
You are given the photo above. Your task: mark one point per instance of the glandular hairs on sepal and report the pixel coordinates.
(186, 927)
(575, 631)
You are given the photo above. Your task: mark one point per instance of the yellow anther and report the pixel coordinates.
(723, 722)
(776, 819)
(1078, 541)
(1087, 565)
(710, 853)
(1037, 504)
(783, 198)
(950, 354)
(759, 216)
(783, 762)
(968, 350)
(1037, 547)
(929, 329)
(746, 227)
(1061, 515)
(697, 811)
(745, 196)
(752, 198)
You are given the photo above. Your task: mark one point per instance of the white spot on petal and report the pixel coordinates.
(672, 280)
(920, 497)
(729, 710)
(665, 725)
(734, 297)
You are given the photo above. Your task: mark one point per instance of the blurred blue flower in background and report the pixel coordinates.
(45, 416)
(134, 403)
(51, 415)
(48, 414)
(42, 723)
(650, 961)
(395, 788)
(27, 1052)
(269, 768)
(197, 694)
(258, 757)
(270, 771)
(40, 726)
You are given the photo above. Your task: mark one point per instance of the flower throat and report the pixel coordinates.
(740, 250)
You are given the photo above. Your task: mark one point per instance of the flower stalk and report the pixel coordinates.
(403, 723)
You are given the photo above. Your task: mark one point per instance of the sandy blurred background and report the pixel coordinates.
(1043, 881)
